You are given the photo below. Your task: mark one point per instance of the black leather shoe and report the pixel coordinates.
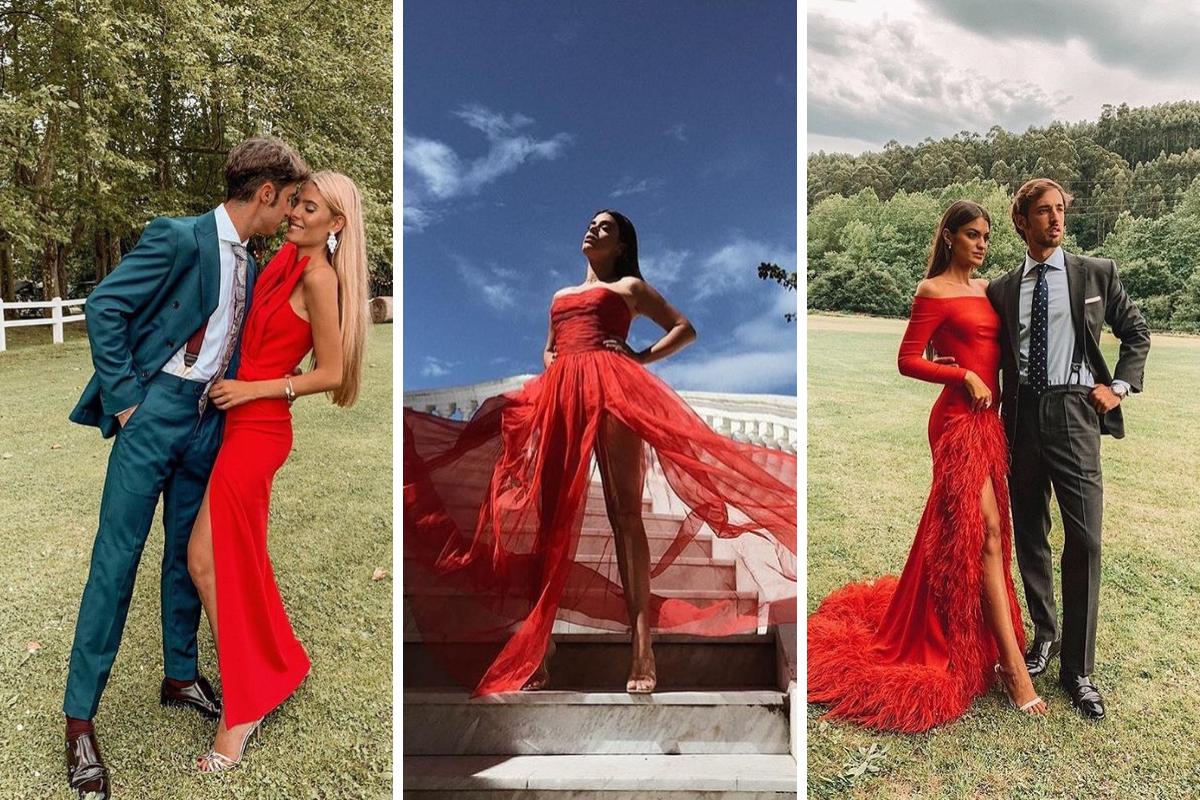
(1038, 656)
(86, 772)
(198, 694)
(1084, 696)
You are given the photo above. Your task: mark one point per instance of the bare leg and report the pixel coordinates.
(200, 564)
(619, 454)
(228, 741)
(996, 611)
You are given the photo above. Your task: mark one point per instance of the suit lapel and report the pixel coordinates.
(1012, 311)
(209, 248)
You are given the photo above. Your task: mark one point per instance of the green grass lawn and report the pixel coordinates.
(868, 477)
(331, 526)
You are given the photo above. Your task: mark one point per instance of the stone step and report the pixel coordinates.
(746, 602)
(600, 777)
(594, 540)
(595, 497)
(707, 574)
(601, 660)
(440, 723)
(655, 524)
(595, 492)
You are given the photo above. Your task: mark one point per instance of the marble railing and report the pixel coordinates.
(763, 419)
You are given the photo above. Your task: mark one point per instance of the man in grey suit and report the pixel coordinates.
(1059, 397)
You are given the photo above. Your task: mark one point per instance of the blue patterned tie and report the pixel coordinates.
(1038, 335)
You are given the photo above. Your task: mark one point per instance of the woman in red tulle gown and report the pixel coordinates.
(311, 296)
(493, 506)
(909, 654)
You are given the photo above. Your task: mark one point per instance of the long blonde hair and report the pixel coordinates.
(350, 263)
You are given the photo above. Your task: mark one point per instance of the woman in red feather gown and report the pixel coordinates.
(909, 654)
(311, 296)
(493, 506)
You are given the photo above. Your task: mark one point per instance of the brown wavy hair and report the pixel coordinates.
(958, 214)
(1031, 190)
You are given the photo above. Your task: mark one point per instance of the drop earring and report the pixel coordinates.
(331, 242)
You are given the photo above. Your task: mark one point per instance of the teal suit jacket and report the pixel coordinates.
(144, 311)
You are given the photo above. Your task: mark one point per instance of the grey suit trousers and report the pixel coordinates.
(1056, 444)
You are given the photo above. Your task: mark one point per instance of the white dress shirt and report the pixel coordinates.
(209, 358)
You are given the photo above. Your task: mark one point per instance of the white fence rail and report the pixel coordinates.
(56, 320)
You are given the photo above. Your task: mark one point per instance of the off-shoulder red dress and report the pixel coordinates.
(260, 659)
(493, 506)
(909, 654)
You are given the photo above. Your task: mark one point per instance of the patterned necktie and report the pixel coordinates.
(1039, 324)
(235, 325)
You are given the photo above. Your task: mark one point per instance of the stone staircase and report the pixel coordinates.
(723, 722)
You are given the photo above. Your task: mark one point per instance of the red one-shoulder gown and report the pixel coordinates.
(493, 507)
(260, 659)
(909, 654)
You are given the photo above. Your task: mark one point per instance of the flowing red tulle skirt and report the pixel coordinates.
(493, 508)
(909, 654)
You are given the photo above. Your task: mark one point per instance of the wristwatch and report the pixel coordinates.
(1119, 389)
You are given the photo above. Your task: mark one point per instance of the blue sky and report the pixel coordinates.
(521, 119)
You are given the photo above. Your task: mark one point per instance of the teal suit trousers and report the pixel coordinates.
(166, 449)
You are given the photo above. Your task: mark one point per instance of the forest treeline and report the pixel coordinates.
(1134, 174)
(113, 112)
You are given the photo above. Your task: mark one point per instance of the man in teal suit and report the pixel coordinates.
(163, 326)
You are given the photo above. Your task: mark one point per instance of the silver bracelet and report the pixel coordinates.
(288, 391)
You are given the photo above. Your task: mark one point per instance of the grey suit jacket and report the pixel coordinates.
(1086, 277)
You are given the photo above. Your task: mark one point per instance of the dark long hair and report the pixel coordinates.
(627, 262)
(958, 214)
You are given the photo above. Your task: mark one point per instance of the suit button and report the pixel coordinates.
(145, 373)
(174, 304)
(170, 342)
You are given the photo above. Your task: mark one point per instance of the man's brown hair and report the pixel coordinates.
(258, 160)
(1030, 191)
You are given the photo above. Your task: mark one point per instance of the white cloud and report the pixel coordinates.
(909, 69)
(436, 367)
(758, 356)
(746, 372)
(417, 219)
(677, 131)
(441, 174)
(663, 267)
(628, 186)
(495, 285)
(735, 263)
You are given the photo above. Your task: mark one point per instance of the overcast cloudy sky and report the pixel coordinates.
(907, 69)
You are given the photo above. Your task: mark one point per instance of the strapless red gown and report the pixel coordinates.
(910, 654)
(261, 660)
(493, 506)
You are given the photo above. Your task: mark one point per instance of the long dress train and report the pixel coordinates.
(260, 659)
(909, 654)
(493, 507)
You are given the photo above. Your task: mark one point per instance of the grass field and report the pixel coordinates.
(868, 477)
(331, 527)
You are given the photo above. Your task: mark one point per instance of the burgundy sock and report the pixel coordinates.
(78, 727)
(174, 684)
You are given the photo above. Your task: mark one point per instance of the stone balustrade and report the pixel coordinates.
(768, 420)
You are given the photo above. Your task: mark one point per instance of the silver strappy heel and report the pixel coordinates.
(212, 761)
(1024, 709)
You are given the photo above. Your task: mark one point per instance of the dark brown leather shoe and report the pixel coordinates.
(1038, 656)
(198, 694)
(1085, 697)
(86, 772)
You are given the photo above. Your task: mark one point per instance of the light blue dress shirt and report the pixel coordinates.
(1060, 338)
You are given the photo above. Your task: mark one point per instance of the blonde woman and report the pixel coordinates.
(312, 296)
